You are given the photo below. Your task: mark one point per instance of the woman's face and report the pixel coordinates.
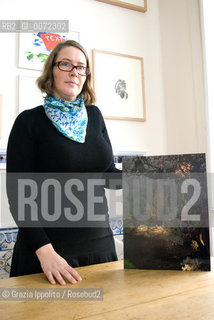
(68, 85)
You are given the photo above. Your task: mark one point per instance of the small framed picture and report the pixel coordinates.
(34, 48)
(119, 85)
(137, 5)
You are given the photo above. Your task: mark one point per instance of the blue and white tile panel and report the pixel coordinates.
(7, 241)
(116, 225)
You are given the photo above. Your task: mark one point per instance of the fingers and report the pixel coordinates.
(74, 273)
(70, 274)
(59, 278)
(50, 277)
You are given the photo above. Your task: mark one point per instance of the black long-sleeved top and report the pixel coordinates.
(35, 145)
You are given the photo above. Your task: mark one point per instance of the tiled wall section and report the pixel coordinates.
(8, 239)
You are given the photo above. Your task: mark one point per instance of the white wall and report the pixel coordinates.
(182, 66)
(207, 8)
(167, 36)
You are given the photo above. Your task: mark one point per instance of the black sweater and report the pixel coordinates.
(35, 145)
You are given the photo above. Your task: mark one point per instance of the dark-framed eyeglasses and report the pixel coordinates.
(68, 67)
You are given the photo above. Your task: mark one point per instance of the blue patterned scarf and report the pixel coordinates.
(70, 118)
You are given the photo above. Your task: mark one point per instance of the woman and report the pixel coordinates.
(66, 134)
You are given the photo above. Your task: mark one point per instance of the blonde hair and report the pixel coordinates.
(46, 81)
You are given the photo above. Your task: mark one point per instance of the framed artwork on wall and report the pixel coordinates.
(119, 85)
(27, 86)
(34, 48)
(164, 227)
(137, 5)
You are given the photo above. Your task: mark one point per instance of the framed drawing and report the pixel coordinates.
(0, 114)
(137, 5)
(34, 48)
(29, 94)
(119, 85)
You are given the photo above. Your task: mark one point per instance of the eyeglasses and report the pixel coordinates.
(68, 67)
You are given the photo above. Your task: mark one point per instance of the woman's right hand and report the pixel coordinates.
(55, 267)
